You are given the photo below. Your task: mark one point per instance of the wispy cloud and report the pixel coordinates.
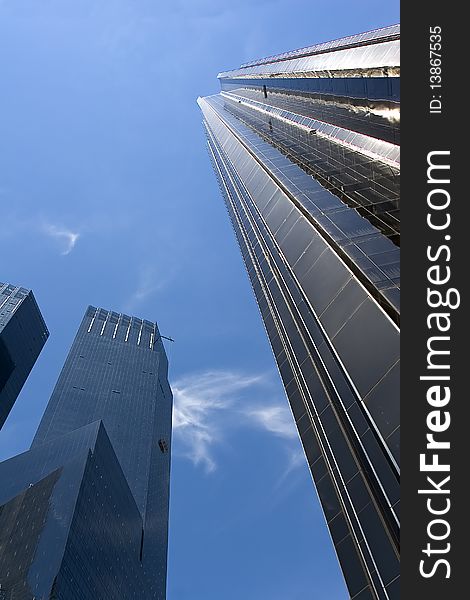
(295, 459)
(275, 419)
(209, 405)
(149, 281)
(200, 401)
(69, 237)
(13, 225)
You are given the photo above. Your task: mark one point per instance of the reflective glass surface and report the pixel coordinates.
(381, 55)
(339, 218)
(360, 39)
(370, 88)
(366, 185)
(299, 278)
(379, 120)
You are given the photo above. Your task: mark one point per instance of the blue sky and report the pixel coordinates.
(107, 197)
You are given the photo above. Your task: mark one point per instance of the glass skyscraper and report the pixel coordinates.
(84, 512)
(305, 146)
(23, 334)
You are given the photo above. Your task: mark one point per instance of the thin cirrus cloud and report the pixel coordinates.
(208, 405)
(12, 225)
(275, 419)
(149, 281)
(68, 236)
(295, 460)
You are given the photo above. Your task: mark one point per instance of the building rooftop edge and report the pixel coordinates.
(365, 38)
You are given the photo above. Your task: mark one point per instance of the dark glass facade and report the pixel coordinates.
(23, 334)
(305, 147)
(97, 473)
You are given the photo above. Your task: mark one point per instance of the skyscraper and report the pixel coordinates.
(84, 512)
(23, 334)
(305, 146)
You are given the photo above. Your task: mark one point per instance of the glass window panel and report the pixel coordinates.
(383, 402)
(359, 493)
(311, 254)
(318, 469)
(297, 240)
(379, 345)
(393, 590)
(328, 419)
(342, 307)
(278, 212)
(393, 442)
(380, 543)
(316, 390)
(328, 497)
(303, 423)
(376, 245)
(358, 419)
(338, 528)
(310, 444)
(351, 565)
(324, 280)
(293, 393)
(382, 465)
(343, 454)
(365, 594)
(284, 229)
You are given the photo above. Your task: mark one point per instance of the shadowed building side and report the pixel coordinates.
(23, 334)
(70, 528)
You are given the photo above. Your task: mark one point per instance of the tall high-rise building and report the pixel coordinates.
(84, 512)
(305, 146)
(23, 334)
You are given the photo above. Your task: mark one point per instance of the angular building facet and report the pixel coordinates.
(84, 512)
(305, 146)
(23, 334)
